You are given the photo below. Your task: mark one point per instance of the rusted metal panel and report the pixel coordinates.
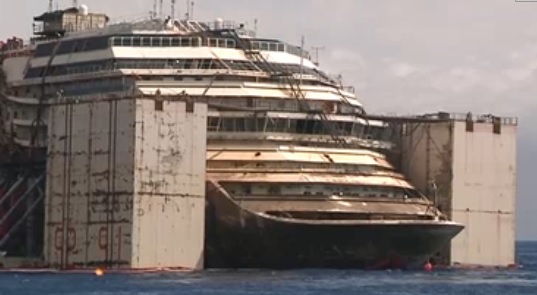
(472, 173)
(351, 205)
(312, 178)
(90, 176)
(316, 157)
(170, 185)
(427, 158)
(106, 196)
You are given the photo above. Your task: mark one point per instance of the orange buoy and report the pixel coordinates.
(99, 272)
(428, 266)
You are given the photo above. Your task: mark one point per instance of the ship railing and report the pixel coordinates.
(484, 118)
(14, 47)
(445, 116)
(231, 25)
(74, 73)
(297, 137)
(159, 66)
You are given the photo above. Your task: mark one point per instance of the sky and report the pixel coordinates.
(404, 57)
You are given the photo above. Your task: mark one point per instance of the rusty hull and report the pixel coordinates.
(238, 237)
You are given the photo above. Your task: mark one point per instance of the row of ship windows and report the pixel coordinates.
(276, 190)
(290, 105)
(103, 86)
(190, 64)
(297, 126)
(278, 166)
(72, 46)
(103, 42)
(137, 41)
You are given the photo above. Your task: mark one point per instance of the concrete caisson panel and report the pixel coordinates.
(484, 193)
(170, 185)
(90, 175)
(472, 165)
(125, 184)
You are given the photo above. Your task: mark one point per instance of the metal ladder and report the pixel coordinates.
(278, 71)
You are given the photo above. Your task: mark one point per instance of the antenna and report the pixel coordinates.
(153, 13)
(50, 5)
(191, 10)
(255, 25)
(75, 3)
(173, 10)
(316, 49)
(302, 41)
(187, 14)
(160, 12)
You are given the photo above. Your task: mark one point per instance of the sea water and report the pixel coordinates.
(299, 282)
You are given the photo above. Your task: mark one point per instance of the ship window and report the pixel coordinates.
(166, 41)
(213, 42)
(247, 189)
(156, 41)
(44, 49)
(195, 42)
(186, 42)
(195, 64)
(255, 45)
(264, 46)
(188, 63)
(176, 42)
(274, 190)
(213, 124)
(146, 41)
(205, 64)
(240, 124)
(136, 42)
(281, 47)
(230, 43)
(273, 46)
(215, 64)
(227, 124)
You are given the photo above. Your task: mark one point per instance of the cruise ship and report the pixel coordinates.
(296, 171)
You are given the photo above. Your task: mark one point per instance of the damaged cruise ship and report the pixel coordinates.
(296, 174)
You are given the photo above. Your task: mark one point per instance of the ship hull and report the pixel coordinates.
(237, 238)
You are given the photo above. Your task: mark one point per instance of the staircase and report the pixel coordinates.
(277, 71)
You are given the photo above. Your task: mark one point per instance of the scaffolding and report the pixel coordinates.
(288, 79)
(22, 183)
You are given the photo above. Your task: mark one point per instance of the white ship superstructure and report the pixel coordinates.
(286, 142)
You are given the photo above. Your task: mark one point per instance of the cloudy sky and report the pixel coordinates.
(408, 56)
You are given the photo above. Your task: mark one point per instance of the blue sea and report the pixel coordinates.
(300, 282)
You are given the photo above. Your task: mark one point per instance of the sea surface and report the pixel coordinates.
(300, 282)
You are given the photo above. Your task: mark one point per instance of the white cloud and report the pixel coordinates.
(404, 70)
